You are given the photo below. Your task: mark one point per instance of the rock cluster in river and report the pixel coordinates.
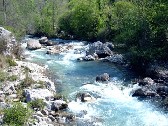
(151, 88)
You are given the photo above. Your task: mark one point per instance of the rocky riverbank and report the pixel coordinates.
(28, 88)
(26, 83)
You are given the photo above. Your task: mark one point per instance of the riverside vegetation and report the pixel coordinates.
(139, 27)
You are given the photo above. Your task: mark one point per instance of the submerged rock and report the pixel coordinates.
(85, 97)
(33, 44)
(102, 78)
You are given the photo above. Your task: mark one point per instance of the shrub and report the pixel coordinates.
(12, 78)
(2, 61)
(20, 95)
(11, 62)
(17, 51)
(3, 45)
(27, 82)
(3, 76)
(41, 84)
(17, 115)
(38, 103)
(60, 97)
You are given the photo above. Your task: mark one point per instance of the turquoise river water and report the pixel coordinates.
(113, 106)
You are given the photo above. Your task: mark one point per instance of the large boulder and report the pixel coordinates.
(33, 44)
(33, 94)
(102, 78)
(102, 50)
(7, 41)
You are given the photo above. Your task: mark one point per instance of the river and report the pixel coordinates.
(113, 106)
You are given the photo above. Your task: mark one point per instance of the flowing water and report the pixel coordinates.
(113, 106)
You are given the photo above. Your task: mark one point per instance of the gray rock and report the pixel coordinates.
(159, 71)
(37, 118)
(46, 119)
(102, 78)
(50, 85)
(146, 81)
(33, 44)
(109, 45)
(102, 50)
(12, 96)
(9, 89)
(89, 58)
(59, 105)
(84, 97)
(32, 94)
(2, 99)
(44, 112)
(143, 93)
(55, 50)
(43, 40)
(38, 113)
(4, 105)
(116, 58)
(7, 37)
(52, 118)
(162, 90)
(50, 43)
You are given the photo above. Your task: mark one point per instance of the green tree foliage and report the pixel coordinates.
(82, 21)
(140, 25)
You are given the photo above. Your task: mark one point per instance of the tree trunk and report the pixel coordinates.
(4, 11)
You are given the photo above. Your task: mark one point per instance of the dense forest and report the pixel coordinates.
(140, 27)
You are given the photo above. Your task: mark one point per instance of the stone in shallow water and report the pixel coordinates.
(103, 77)
(33, 44)
(43, 40)
(85, 97)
